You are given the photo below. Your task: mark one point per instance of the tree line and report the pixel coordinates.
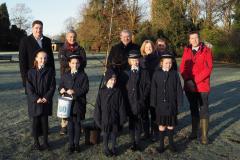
(216, 20)
(12, 30)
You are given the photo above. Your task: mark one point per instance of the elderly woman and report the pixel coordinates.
(70, 47)
(149, 61)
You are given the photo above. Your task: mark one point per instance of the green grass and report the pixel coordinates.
(15, 138)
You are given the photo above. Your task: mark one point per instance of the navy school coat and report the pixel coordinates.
(166, 92)
(110, 110)
(80, 84)
(142, 92)
(40, 84)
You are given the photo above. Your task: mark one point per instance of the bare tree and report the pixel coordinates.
(134, 14)
(70, 23)
(194, 10)
(21, 16)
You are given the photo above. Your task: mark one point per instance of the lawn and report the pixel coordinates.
(16, 140)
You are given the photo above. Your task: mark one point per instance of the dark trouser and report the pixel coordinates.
(146, 119)
(106, 137)
(135, 125)
(40, 123)
(198, 104)
(74, 130)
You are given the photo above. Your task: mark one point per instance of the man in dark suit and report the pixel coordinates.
(118, 56)
(29, 45)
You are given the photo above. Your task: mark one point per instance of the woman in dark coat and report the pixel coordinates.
(69, 48)
(75, 83)
(166, 97)
(110, 112)
(149, 61)
(40, 87)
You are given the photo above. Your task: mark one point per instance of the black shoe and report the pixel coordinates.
(146, 136)
(63, 131)
(114, 151)
(77, 148)
(160, 149)
(192, 136)
(36, 146)
(135, 147)
(71, 149)
(172, 148)
(46, 146)
(154, 138)
(108, 153)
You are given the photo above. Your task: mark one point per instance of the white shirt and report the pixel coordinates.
(195, 48)
(39, 41)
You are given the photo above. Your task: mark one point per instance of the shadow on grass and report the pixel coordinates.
(224, 103)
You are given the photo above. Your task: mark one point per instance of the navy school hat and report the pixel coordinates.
(134, 54)
(109, 74)
(74, 56)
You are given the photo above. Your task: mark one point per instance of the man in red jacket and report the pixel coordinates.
(196, 68)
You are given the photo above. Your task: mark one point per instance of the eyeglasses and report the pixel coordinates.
(161, 45)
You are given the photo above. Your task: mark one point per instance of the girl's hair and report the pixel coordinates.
(142, 49)
(69, 60)
(35, 63)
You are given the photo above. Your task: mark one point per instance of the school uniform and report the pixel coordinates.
(110, 115)
(138, 88)
(166, 97)
(40, 84)
(79, 83)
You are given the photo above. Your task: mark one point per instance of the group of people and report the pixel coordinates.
(141, 85)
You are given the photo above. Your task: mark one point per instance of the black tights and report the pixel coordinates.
(106, 137)
(40, 127)
(74, 130)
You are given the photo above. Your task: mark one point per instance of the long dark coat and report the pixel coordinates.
(64, 54)
(142, 90)
(40, 84)
(80, 84)
(118, 56)
(28, 45)
(166, 92)
(110, 111)
(150, 62)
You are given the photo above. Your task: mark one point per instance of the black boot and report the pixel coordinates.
(36, 145)
(160, 149)
(195, 127)
(77, 148)
(172, 147)
(106, 150)
(71, 149)
(114, 141)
